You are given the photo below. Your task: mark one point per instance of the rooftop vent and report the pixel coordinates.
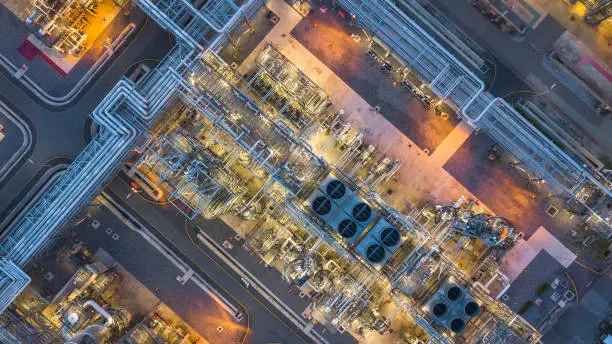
(375, 253)
(362, 212)
(454, 293)
(389, 237)
(471, 309)
(335, 189)
(347, 228)
(439, 310)
(457, 325)
(321, 205)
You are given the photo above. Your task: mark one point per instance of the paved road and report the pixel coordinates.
(59, 132)
(171, 227)
(156, 272)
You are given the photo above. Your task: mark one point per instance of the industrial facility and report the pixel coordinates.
(69, 27)
(212, 141)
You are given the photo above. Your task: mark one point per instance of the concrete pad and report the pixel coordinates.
(543, 240)
(596, 304)
(453, 141)
(517, 259)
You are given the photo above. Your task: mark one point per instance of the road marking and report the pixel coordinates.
(186, 277)
(248, 319)
(176, 261)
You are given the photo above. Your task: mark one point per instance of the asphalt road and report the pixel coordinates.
(60, 132)
(268, 325)
(158, 274)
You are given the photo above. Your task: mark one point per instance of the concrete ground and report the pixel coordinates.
(327, 36)
(579, 324)
(60, 132)
(424, 174)
(156, 272)
(542, 269)
(52, 271)
(597, 38)
(524, 59)
(523, 254)
(506, 190)
(245, 40)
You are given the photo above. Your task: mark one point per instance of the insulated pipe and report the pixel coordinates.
(102, 311)
(91, 329)
(23, 250)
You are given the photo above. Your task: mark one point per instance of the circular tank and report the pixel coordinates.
(347, 228)
(439, 310)
(454, 293)
(457, 325)
(321, 205)
(362, 212)
(471, 309)
(335, 189)
(390, 237)
(375, 253)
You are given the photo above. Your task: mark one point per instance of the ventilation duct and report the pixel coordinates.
(440, 310)
(454, 293)
(457, 325)
(335, 189)
(375, 253)
(347, 228)
(361, 212)
(390, 237)
(321, 205)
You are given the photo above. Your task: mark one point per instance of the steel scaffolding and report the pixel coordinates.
(282, 85)
(123, 117)
(12, 282)
(444, 74)
(451, 80)
(161, 161)
(195, 25)
(273, 152)
(201, 192)
(200, 24)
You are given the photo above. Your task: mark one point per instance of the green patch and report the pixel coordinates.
(525, 307)
(542, 288)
